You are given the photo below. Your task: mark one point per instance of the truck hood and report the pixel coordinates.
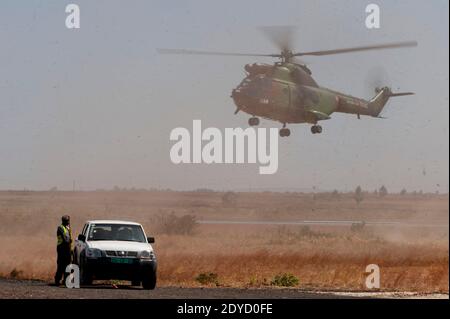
(119, 245)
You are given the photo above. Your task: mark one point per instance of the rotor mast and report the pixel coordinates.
(286, 56)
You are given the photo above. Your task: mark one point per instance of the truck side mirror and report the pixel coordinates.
(151, 240)
(82, 238)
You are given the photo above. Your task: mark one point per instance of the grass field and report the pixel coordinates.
(320, 257)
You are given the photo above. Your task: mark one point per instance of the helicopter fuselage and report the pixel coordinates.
(288, 94)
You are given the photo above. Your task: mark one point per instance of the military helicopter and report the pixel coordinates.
(286, 91)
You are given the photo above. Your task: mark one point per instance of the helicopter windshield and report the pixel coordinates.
(255, 85)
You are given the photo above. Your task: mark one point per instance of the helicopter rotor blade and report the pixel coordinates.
(297, 60)
(358, 49)
(195, 52)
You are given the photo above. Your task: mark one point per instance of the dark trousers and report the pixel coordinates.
(63, 259)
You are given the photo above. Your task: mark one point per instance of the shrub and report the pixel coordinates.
(305, 231)
(208, 278)
(285, 280)
(175, 225)
(357, 227)
(14, 274)
(229, 199)
(335, 194)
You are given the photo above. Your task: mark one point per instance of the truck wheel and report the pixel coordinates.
(149, 281)
(135, 282)
(85, 277)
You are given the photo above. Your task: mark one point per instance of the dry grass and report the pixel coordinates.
(242, 256)
(319, 268)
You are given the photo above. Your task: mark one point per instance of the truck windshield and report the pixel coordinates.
(118, 232)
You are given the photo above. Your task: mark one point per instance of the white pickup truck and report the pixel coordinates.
(114, 249)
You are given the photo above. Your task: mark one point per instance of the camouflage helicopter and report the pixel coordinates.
(286, 92)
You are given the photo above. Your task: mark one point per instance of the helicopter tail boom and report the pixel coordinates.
(377, 104)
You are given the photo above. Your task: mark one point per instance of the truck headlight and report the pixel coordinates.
(146, 254)
(93, 253)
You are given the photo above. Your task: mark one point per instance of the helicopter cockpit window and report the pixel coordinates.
(246, 82)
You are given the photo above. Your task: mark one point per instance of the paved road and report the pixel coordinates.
(322, 222)
(38, 289)
(18, 289)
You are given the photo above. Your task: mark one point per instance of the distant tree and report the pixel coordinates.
(359, 195)
(403, 192)
(116, 188)
(383, 191)
(54, 189)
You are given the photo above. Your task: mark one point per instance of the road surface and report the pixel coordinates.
(18, 289)
(322, 223)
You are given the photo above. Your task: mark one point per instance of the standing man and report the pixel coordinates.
(63, 248)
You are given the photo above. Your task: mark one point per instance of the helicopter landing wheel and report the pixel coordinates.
(316, 129)
(253, 121)
(285, 132)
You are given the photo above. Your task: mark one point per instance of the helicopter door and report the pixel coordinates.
(281, 95)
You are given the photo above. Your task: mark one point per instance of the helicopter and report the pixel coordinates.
(286, 91)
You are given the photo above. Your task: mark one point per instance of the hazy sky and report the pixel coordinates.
(97, 105)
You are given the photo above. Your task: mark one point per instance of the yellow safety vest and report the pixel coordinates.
(60, 240)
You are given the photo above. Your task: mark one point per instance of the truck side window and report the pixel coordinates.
(84, 229)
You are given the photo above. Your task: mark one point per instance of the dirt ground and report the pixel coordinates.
(410, 243)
